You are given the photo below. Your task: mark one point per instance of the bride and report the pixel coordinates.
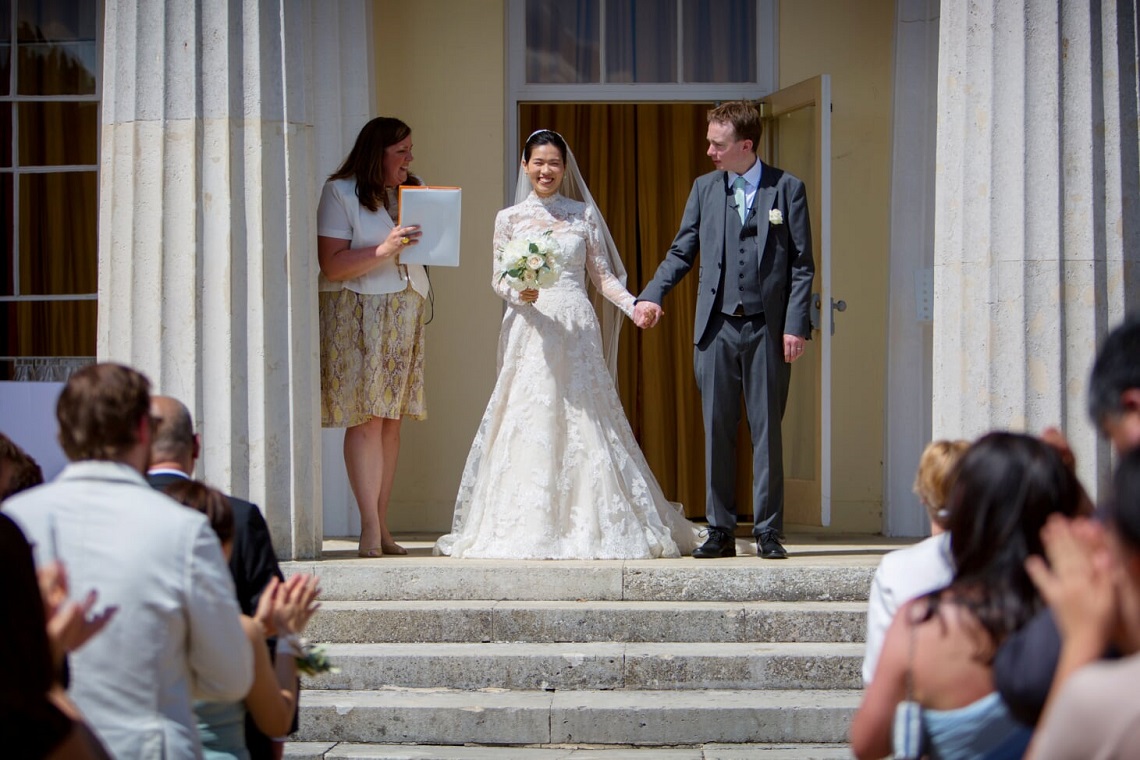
(554, 471)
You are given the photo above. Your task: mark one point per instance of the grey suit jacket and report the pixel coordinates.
(786, 265)
(177, 632)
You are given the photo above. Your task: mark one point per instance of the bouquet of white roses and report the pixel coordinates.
(529, 263)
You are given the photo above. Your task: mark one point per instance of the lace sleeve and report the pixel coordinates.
(598, 266)
(500, 240)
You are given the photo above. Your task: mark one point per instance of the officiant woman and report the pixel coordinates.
(371, 318)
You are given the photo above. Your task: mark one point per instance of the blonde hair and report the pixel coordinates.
(936, 470)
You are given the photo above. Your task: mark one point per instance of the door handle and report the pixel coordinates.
(817, 316)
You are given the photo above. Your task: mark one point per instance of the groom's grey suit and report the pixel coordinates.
(754, 287)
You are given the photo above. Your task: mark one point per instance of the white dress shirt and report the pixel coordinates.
(177, 633)
(752, 182)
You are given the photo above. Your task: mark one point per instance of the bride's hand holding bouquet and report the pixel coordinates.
(529, 264)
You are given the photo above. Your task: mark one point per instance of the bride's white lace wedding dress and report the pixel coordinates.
(554, 471)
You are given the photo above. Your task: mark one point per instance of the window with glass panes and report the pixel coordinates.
(641, 41)
(49, 126)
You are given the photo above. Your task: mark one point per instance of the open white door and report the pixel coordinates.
(797, 138)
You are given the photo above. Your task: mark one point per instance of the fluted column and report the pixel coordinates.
(207, 228)
(1037, 226)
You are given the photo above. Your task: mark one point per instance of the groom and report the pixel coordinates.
(749, 221)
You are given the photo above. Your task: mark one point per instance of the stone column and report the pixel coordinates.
(1037, 226)
(207, 228)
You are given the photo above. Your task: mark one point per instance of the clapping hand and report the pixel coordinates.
(70, 624)
(285, 608)
(647, 314)
(1078, 581)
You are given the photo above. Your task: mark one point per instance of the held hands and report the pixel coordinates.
(647, 314)
(530, 295)
(793, 347)
(399, 238)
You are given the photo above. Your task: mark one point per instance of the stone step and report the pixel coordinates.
(539, 621)
(639, 718)
(594, 665)
(736, 579)
(347, 751)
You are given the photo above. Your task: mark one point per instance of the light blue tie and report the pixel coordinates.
(738, 193)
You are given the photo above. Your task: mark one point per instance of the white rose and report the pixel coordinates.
(775, 216)
(534, 262)
(529, 276)
(546, 278)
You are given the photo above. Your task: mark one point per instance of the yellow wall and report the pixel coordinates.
(440, 68)
(853, 42)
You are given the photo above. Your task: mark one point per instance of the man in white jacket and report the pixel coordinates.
(176, 635)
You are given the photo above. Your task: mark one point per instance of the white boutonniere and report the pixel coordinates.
(775, 216)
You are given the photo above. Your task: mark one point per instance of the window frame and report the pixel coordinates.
(12, 174)
(520, 91)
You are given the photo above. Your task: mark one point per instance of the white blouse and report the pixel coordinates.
(341, 216)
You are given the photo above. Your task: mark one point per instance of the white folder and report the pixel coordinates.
(436, 210)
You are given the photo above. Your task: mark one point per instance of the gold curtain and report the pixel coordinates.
(640, 161)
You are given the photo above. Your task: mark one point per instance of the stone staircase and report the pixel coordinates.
(686, 659)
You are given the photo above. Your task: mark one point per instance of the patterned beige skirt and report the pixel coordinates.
(372, 356)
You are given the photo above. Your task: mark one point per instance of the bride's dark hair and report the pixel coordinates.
(544, 137)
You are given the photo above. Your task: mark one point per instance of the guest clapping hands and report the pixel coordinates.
(1092, 585)
(283, 610)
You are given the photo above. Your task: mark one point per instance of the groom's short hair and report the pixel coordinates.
(743, 117)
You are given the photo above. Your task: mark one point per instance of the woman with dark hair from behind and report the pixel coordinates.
(371, 319)
(283, 611)
(37, 719)
(938, 653)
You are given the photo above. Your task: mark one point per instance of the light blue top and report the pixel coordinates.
(982, 730)
(221, 727)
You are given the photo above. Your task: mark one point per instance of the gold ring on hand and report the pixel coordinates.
(405, 240)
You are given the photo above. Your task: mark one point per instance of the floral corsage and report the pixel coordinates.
(312, 659)
(526, 263)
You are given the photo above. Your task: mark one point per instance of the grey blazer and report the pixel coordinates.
(786, 265)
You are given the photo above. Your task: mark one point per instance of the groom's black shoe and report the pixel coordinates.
(768, 546)
(720, 543)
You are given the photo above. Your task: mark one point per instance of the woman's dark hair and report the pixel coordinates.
(1007, 485)
(1123, 507)
(23, 631)
(544, 137)
(26, 473)
(365, 162)
(209, 501)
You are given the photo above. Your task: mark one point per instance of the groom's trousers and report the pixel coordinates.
(738, 358)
